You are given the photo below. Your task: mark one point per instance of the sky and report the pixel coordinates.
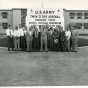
(68, 4)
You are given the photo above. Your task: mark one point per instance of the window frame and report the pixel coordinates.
(85, 15)
(4, 15)
(71, 15)
(79, 15)
(79, 25)
(4, 24)
(85, 27)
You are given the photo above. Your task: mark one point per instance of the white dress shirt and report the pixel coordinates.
(16, 33)
(25, 32)
(9, 32)
(21, 32)
(68, 34)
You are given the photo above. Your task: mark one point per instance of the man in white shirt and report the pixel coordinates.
(17, 38)
(9, 34)
(68, 36)
(22, 46)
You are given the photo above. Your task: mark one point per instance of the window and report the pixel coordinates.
(86, 15)
(79, 15)
(85, 25)
(78, 25)
(4, 25)
(72, 15)
(73, 25)
(23, 16)
(4, 15)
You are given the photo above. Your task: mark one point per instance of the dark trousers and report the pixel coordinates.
(22, 42)
(62, 45)
(36, 43)
(74, 44)
(50, 43)
(56, 45)
(25, 43)
(29, 44)
(68, 45)
(10, 43)
(44, 43)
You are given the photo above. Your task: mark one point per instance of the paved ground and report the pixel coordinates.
(46, 69)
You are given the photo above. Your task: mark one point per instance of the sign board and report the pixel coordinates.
(45, 17)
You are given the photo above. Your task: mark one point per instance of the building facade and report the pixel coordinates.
(77, 18)
(12, 17)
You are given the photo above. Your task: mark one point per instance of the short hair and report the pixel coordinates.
(9, 25)
(20, 25)
(16, 27)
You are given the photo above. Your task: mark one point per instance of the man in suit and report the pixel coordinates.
(62, 40)
(50, 38)
(29, 38)
(36, 38)
(22, 40)
(25, 31)
(56, 39)
(39, 38)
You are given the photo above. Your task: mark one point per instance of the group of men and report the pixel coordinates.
(42, 38)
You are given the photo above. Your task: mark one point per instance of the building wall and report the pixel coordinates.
(23, 16)
(16, 17)
(4, 20)
(76, 20)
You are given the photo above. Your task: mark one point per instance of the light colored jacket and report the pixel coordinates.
(29, 35)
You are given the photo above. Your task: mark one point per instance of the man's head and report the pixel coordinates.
(16, 27)
(51, 28)
(20, 26)
(9, 26)
(30, 28)
(68, 28)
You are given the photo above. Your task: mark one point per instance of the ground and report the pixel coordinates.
(43, 68)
